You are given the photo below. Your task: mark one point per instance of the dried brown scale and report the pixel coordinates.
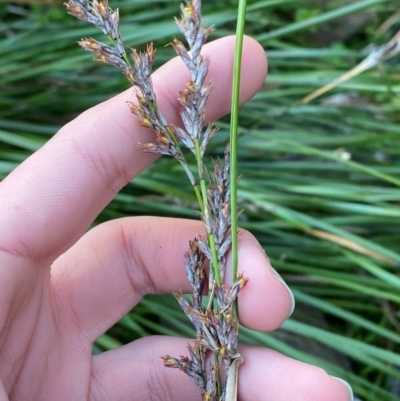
(194, 263)
(196, 358)
(207, 137)
(191, 262)
(184, 138)
(223, 249)
(211, 378)
(204, 248)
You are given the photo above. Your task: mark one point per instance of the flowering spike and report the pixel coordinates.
(216, 326)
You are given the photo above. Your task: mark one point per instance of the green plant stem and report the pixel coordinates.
(219, 381)
(234, 131)
(199, 197)
(195, 187)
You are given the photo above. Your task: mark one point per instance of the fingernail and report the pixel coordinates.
(347, 386)
(282, 281)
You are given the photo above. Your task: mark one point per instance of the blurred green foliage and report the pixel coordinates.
(320, 186)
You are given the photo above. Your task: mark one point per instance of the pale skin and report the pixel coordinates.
(62, 286)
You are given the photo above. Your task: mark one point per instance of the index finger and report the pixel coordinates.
(56, 194)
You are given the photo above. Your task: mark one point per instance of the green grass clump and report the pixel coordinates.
(320, 186)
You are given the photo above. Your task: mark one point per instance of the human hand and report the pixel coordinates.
(61, 288)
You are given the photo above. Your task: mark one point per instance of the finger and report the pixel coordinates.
(135, 371)
(61, 189)
(113, 266)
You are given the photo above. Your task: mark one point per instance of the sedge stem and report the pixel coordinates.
(199, 197)
(219, 381)
(234, 132)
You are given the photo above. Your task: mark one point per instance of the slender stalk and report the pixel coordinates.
(232, 374)
(199, 197)
(234, 131)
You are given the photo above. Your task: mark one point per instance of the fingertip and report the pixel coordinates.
(346, 386)
(267, 374)
(254, 63)
(266, 301)
(253, 69)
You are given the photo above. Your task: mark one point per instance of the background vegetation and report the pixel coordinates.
(320, 186)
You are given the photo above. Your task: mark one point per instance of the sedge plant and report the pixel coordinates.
(213, 359)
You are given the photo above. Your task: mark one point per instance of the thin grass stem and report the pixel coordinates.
(234, 131)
